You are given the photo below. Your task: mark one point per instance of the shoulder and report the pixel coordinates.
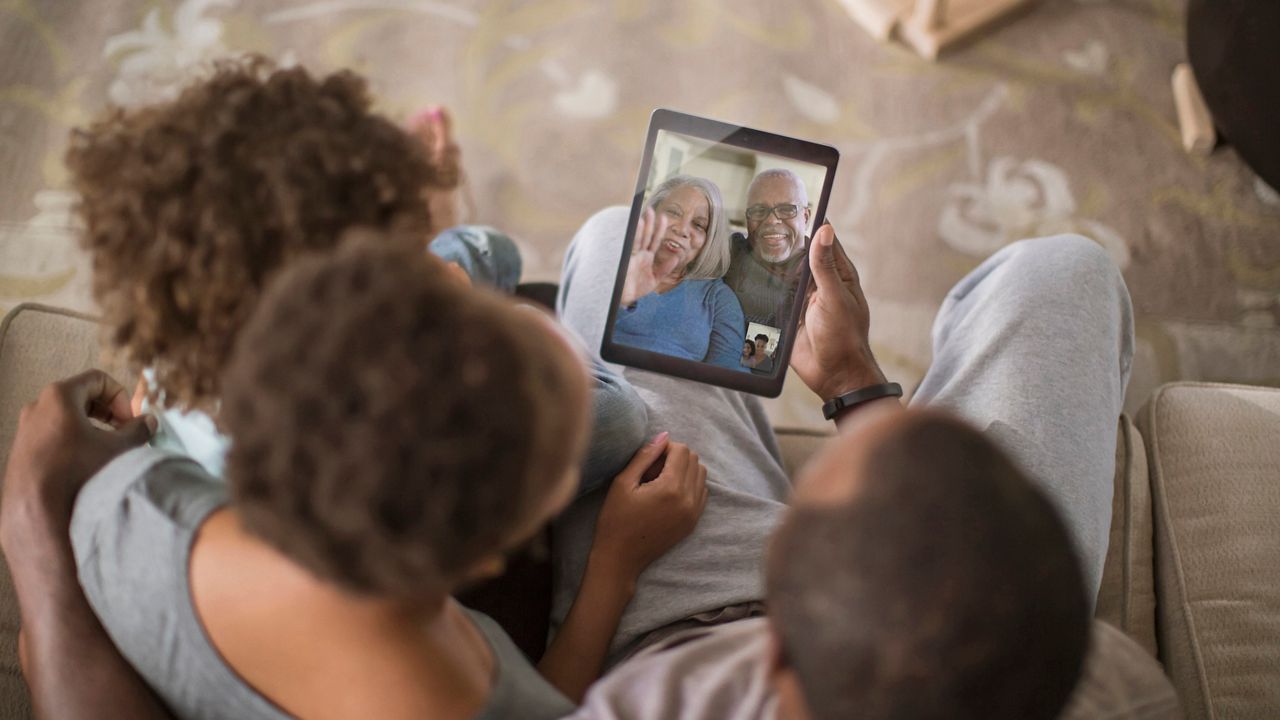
(174, 485)
(722, 297)
(714, 291)
(134, 519)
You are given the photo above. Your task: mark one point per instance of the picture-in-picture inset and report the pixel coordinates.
(759, 348)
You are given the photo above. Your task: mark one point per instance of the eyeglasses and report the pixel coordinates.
(785, 211)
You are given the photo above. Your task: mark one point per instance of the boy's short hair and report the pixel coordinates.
(947, 587)
(389, 426)
(190, 206)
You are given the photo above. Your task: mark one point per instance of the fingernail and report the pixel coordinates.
(660, 437)
(435, 113)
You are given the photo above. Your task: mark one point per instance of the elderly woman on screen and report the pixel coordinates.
(674, 301)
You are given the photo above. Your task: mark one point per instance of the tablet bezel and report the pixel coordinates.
(748, 139)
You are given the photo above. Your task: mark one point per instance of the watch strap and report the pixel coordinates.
(835, 405)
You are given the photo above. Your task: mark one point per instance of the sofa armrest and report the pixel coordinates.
(38, 344)
(1214, 454)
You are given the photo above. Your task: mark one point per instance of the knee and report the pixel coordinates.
(621, 419)
(609, 221)
(620, 423)
(599, 238)
(1073, 264)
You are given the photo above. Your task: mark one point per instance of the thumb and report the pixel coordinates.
(136, 432)
(822, 259)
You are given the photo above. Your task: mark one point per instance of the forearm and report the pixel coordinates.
(72, 668)
(576, 656)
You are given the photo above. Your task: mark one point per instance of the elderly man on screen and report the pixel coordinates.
(767, 262)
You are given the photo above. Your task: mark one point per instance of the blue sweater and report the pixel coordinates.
(695, 320)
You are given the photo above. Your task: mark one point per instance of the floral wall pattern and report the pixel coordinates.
(1061, 121)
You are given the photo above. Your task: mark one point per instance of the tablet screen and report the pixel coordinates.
(718, 256)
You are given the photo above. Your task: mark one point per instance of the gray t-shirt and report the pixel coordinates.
(132, 531)
(721, 562)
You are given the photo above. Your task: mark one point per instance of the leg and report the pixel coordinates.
(618, 426)
(587, 277)
(1034, 346)
(488, 256)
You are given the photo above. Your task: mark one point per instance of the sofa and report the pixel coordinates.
(1192, 573)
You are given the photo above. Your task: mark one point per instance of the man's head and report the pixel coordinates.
(920, 574)
(394, 430)
(777, 215)
(762, 342)
(190, 206)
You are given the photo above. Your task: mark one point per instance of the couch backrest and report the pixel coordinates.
(38, 345)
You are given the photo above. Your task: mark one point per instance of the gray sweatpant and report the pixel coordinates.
(1033, 347)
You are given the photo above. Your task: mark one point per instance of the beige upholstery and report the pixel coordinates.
(798, 445)
(1214, 452)
(1127, 596)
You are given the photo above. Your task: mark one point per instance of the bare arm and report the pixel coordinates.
(71, 666)
(639, 522)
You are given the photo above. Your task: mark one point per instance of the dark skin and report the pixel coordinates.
(832, 356)
(41, 482)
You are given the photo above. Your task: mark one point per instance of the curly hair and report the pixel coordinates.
(190, 206)
(390, 426)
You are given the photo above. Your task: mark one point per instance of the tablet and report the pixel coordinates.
(714, 265)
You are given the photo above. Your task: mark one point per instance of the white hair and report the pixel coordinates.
(782, 173)
(712, 262)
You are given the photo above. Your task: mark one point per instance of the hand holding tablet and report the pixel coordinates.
(716, 259)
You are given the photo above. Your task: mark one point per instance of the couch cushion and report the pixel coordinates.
(1127, 597)
(1214, 452)
(38, 344)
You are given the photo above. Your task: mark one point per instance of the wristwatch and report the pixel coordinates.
(832, 407)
